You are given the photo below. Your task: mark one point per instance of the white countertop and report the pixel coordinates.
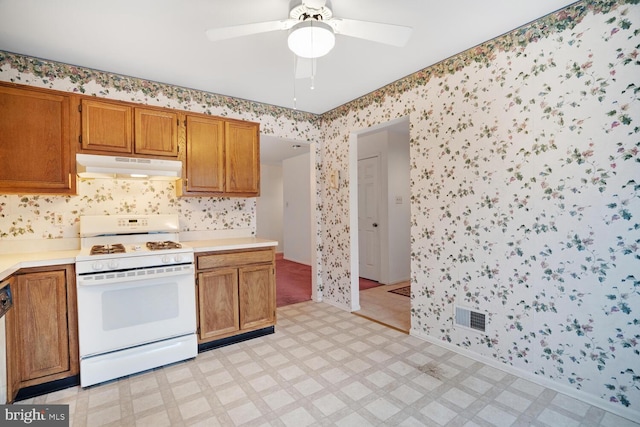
(10, 263)
(229, 244)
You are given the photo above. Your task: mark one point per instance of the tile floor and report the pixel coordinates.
(326, 367)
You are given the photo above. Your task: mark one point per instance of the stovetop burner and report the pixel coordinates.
(117, 248)
(154, 246)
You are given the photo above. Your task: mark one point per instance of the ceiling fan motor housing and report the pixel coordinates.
(303, 12)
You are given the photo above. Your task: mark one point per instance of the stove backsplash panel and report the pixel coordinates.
(37, 217)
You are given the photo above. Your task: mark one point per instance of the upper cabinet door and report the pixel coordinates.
(242, 152)
(156, 132)
(205, 155)
(36, 152)
(106, 126)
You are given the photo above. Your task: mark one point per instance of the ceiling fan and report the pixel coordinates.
(312, 28)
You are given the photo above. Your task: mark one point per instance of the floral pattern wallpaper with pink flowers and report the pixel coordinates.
(525, 192)
(525, 198)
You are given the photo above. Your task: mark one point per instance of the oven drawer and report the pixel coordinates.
(234, 258)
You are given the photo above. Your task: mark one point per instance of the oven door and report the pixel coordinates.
(131, 311)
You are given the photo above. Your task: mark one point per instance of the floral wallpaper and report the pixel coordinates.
(525, 196)
(33, 217)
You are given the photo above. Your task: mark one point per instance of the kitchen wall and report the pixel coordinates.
(392, 149)
(296, 173)
(27, 221)
(269, 206)
(525, 200)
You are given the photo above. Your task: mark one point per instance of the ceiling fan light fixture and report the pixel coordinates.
(311, 39)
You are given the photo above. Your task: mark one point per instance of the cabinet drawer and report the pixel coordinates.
(234, 259)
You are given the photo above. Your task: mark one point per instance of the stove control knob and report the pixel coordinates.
(113, 264)
(97, 266)
(178, 258)
(166, 259)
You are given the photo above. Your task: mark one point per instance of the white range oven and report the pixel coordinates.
(136, 296)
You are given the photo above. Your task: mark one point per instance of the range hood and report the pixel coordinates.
(92, 166)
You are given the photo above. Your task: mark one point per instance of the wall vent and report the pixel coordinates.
(470, 319)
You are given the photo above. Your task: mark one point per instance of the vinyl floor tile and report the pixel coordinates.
(362, 374)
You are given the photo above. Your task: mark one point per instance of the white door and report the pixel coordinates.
(368, 227)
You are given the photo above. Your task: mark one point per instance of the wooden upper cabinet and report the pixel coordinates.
(205, 155)
(36, 149)
(242, 148)
(156, 132)
(223, 157)
(119, 128)
(106, 126)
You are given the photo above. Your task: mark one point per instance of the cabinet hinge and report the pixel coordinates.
(80, 139)
(178, 122)
(80, 108)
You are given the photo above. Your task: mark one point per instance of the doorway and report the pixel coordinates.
(380, 205)
(287, 196)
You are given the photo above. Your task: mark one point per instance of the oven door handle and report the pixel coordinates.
(114, 277)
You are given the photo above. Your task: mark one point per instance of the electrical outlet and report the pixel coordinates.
(59, 219)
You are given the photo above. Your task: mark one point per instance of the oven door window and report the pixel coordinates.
(131, 307)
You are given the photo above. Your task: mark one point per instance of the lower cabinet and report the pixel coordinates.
(42, 329)
(236, 292)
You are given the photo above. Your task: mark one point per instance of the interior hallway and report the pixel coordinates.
(293, 285)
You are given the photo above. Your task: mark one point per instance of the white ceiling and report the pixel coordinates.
(164, 41)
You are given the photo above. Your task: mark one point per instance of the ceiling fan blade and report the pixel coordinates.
(224, 33)
(394, 35)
